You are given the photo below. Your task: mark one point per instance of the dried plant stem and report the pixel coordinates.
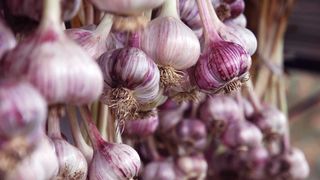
(88, 12)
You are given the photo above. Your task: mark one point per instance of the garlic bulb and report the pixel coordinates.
(228, 10)
(143, 126)
(126, 7)
(131, 81)
(110, 160)
(298, 165)
(193, 167)
(170, 114)
(42, 164)
(7, 39)
(242, 134)
(34, 8)
(222, 66)
(94, 42)
(22, 108)
(164, 38)
(241, 21)
(161, 170)
(191, 134)
(72, 163)
(218, 112)
(55, 65)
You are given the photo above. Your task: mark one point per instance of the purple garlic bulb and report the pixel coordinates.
(143, 126)
(93, 41)
(41, 164)
(242, 134)
(193, 167)
(272, 122)
(131, 81)
(218, 112)
(22, 109)
(192, 134)
(160, 170)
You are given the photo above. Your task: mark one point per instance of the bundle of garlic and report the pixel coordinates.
(152, 89)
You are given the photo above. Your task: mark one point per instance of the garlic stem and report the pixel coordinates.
(134, 40)
(105, 25)
(153, 150)
(210, 20)
(169, 8)
(253, 97)
(51, 13)
(92, 130)
(103, 114)
(54, 125)
(77, 135)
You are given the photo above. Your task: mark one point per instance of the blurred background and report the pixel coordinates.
(301, 57)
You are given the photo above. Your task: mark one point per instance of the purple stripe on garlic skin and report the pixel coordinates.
(22, 108)
(7, 39)
(126, 7)
(61, 70)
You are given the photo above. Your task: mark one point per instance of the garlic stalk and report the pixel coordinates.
(72, 163)
(7, 39)
(77, 135)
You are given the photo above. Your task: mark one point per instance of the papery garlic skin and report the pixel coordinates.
(114, 161)
(298, 165)
(126, 7)
(72, 163)
(22, 108)
(7, 39)
(56, 66)
(170, 43)
(42, 164)
(241, 21)
(194, 166)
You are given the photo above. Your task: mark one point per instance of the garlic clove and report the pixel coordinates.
(22, 109)
(41, 164)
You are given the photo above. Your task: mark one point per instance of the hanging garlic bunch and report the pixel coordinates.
(55, 65)
(94, 42)
(22, 109)
(110, 160)
(41, 164)
(166, 40)
(131, 81)
(7, 39)
(223, 66)
(72, 163)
